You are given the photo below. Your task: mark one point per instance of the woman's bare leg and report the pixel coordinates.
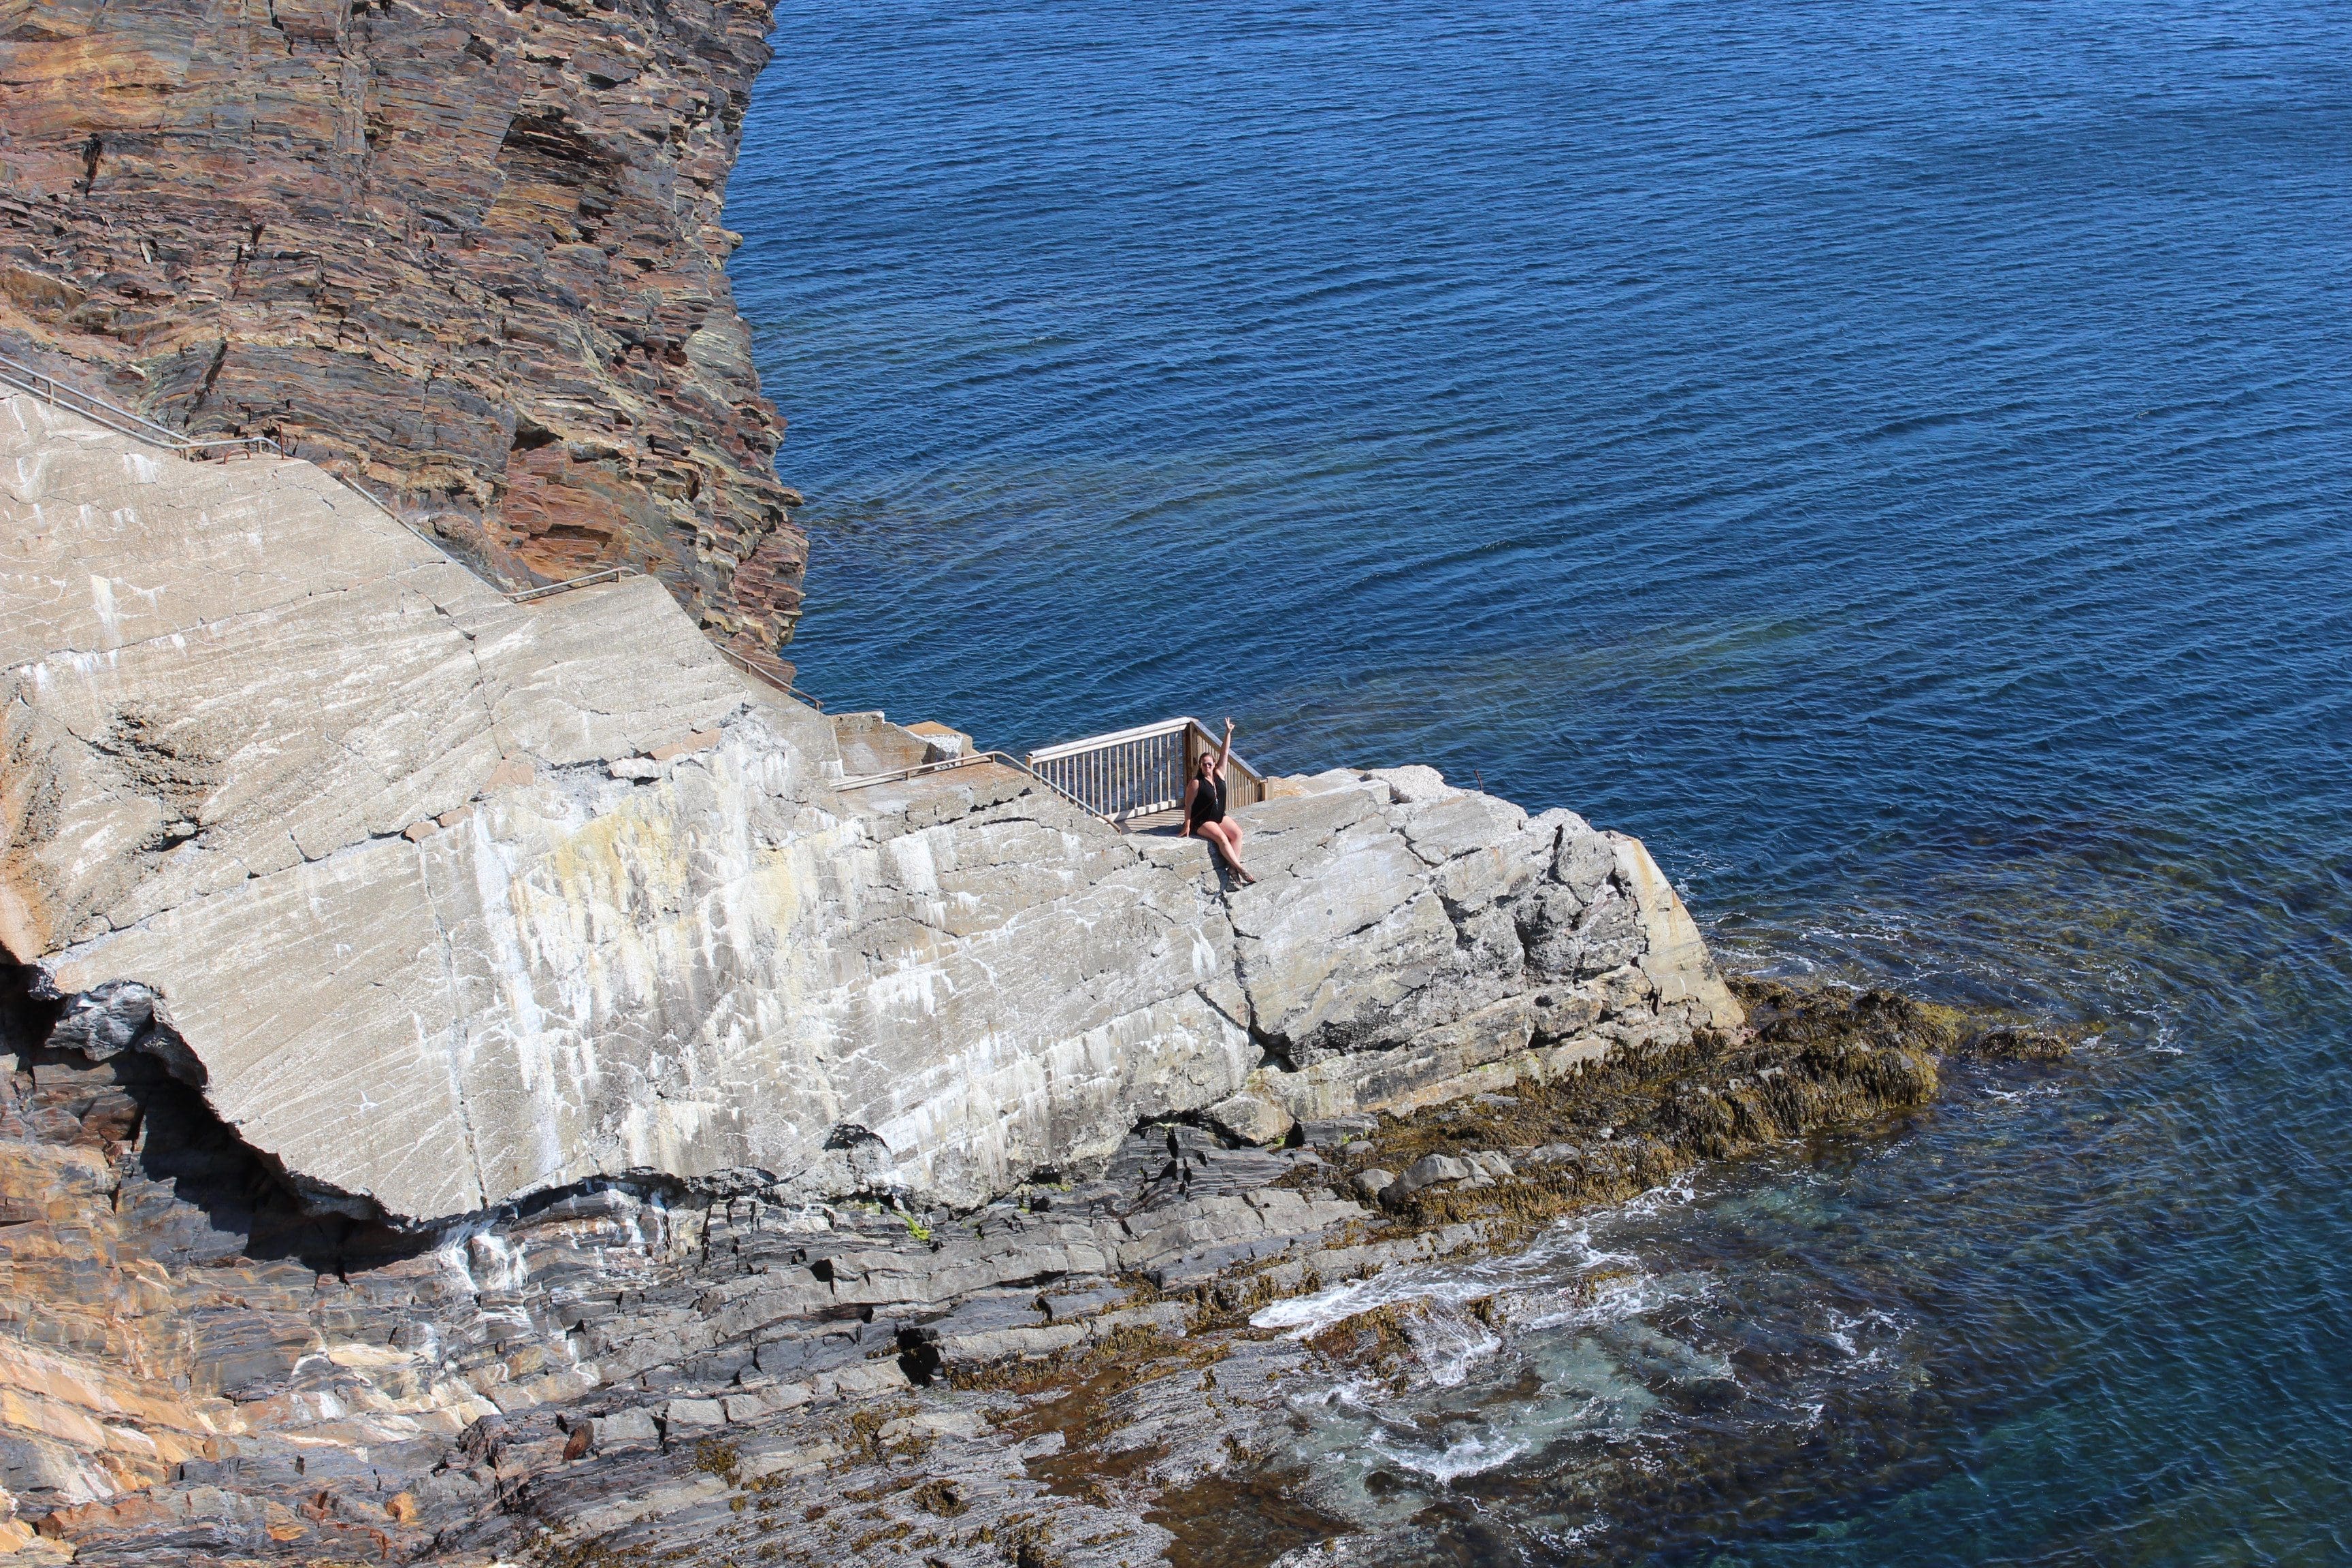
(1228, 835)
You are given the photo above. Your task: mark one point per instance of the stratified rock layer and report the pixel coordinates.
(467, 253)
(445, 900)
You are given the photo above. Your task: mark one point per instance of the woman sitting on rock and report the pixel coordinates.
(1204, 807)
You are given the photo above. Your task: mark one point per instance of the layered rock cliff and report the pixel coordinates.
(470, 254)
(431, 1012)
(194, 1373)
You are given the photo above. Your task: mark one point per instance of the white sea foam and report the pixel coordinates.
(1448, 1344)
(1473, 1455)
(1529, 1287)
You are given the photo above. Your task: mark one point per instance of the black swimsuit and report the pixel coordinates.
(1207, 807)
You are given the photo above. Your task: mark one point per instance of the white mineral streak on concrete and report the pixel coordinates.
(355, 821)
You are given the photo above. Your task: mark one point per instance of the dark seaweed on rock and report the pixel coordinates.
(1812, 1061)
(2018, 1043)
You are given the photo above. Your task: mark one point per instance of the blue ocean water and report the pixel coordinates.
(1891, 457)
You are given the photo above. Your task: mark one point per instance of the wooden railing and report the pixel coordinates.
(1140, 772)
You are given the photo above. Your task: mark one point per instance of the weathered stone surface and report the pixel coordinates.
(470, 254)
(190, 1366)
(703, 963)
(444, 900)
(1429, 1171)
(1252, 1117)
(1408, 942)
(196, 1368)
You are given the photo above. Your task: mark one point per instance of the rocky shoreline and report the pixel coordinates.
(417, 991)
(1066, 1375)
(627, 1118)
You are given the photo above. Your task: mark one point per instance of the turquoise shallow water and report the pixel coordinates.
(1890, 456)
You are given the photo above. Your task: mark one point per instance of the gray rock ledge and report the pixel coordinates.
(443, 901)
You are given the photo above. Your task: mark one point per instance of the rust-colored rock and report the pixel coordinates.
(468, 254)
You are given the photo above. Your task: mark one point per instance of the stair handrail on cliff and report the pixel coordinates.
(139, 428)
(1131, 773)
(778, 681)
(122, 422)
(1003, 759)
(41, 384)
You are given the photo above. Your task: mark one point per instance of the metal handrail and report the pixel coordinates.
(612, 574)
(139, 428)
(1116, 737)
(786, 686)
(122, 420)
(921, 770)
